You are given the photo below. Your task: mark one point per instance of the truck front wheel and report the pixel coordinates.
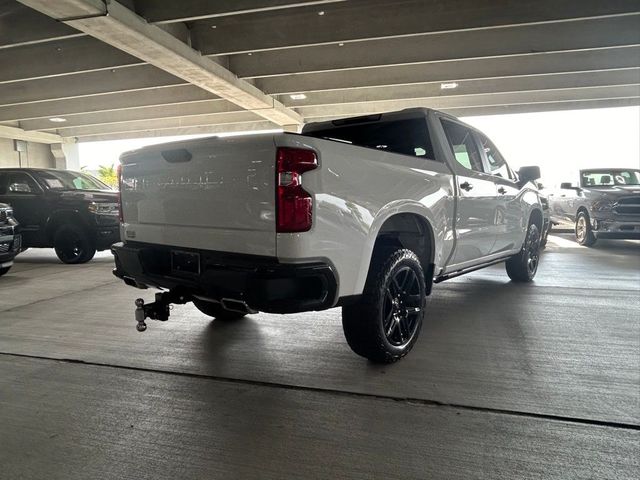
(385, 323)
(216, 311)
(584, 233)
(523, 266)
(73, 245)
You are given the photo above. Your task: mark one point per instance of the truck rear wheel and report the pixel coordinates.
(385, 323)
(73, 245)
(523, 266)
(216, 311)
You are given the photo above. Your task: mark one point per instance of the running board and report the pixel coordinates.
(457, 273)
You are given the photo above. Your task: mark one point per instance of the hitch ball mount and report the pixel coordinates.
(158, 310)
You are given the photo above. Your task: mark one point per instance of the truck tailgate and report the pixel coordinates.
(212, 193)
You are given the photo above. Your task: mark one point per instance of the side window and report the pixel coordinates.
(20, 183)
(497, 164)
(463, 145)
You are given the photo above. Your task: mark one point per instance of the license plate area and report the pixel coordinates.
(185, 263)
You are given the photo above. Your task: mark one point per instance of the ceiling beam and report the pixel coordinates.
(105, 103)
(178, 131)
(216, 120)
(358, 20)
(137, 85)
(179, 110)
(138, 78)
(20, 25)
(81, 55)
(121, 107)
(20, 134)
(469, 101)
(522, 41)
(61, 57)
(190, 10)
(473, 69)
(543, 107)
(123, 29)
(570, 81)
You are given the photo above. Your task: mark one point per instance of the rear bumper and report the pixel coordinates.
(261, 282)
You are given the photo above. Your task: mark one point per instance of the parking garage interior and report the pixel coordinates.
(507, 381)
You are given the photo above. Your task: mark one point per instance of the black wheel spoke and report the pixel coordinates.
(392, 327)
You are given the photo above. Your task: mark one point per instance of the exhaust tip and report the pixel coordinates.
(236, 305)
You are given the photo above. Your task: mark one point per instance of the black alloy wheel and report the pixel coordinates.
(523, 266)
(385, 322)
(72, 245)
(402, 307)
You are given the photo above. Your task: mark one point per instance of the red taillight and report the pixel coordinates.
(120, 215)
(294, 208)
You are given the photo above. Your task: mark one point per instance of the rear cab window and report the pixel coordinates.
(406, 137)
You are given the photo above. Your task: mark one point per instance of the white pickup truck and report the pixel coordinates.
(364, 213)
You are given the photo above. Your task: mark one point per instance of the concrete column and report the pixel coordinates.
(67, 155)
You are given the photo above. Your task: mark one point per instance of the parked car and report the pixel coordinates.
(9, 238)
(70, 211)
(605, 203)
(364, 213)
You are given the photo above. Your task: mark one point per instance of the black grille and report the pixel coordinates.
(628, 206)
(3, 215)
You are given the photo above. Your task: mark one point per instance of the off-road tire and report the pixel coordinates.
(366, 323)
(4, 270)
(523, 266)
(73, 244)
(216, 311)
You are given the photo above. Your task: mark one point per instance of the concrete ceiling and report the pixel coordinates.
(151, 67)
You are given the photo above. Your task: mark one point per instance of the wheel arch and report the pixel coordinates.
(409, 229)
(63, 217)
(537, 216)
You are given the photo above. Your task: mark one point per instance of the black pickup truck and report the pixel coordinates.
(9, 238)
(70, 211)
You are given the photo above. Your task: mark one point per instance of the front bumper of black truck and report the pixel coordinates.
(260, 282)
(10, 244)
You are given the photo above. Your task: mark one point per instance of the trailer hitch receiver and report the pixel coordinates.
(158, 310)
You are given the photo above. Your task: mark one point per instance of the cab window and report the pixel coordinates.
(463, 145)
(17, 183)
(496, 163)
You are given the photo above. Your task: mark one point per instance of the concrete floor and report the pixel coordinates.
(507, 381)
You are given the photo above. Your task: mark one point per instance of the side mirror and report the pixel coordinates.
(529, 174)
(19, 188)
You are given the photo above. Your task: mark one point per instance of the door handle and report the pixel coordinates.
(466, 186)
(502, 191)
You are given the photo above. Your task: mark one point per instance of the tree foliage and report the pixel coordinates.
(108, 175)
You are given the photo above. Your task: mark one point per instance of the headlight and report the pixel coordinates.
(601, 205)
(103, 208)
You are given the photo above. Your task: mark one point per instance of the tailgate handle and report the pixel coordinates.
(177, 156)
